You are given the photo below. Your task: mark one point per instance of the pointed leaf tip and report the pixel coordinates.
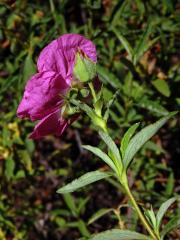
(84, 180)
(142, 137)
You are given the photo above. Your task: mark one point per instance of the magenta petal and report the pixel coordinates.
(42, 95)
(51, 124)
(59, 55)
(51, 58)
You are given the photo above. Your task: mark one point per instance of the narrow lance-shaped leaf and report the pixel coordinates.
(111, 145)
(162, 210)
(84, 180)
(99, 214)
(82, 228)
(142, 44)
(170, 184)
(117, 234)
(145, 48)
(151, 217)
(153, 107)
(124, 42)
(142, 137)
(101, 155)
(172, 224)
(126, 138)
(70, 203)
(107, 77)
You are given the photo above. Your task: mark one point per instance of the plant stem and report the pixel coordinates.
(121, 223)
(140, 214)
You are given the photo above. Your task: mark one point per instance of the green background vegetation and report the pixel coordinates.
(137, 44)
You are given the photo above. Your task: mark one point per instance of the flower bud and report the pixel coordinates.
(84, 68)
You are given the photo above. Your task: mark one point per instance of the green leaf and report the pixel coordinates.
(82, 204)
(124, 42)
(70, 203)
(101, 155)
(98, 121)
(117, 12)
(162, 87)
(9, 167)
(162, 210)
(142, 45)
(84, 180)
(111, 145)
(150, 145)
(107, 77)
(99, 214)
(126, 138)
(109, 104)
(83, 229)
(170, 185)
(153, 107)
(142, 137)
(151, 217)
(98, 105)
(172, 224)
(117, 234)
(26, 160)
(29, 68)
(89, 111)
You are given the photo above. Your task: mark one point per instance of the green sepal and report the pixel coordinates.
(84, 69)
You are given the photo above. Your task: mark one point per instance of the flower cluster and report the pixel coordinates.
(44, 93)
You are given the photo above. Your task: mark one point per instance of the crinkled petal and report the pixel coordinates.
(43, 95)
(59, 55)
(52, 124)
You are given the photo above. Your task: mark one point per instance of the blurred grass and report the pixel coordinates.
(137, 44)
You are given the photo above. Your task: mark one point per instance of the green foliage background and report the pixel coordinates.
(137, 44)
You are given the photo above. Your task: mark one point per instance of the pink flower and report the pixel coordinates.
(59, 55)
(51, 124)
(43, 96)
